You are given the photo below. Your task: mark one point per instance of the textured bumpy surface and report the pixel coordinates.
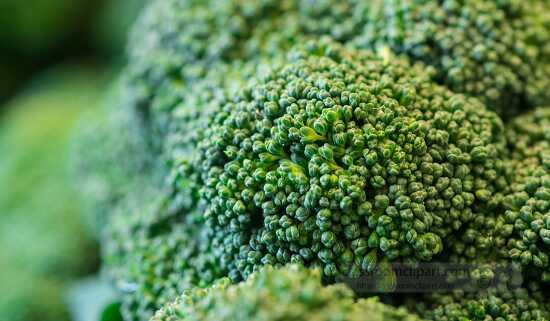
(267, 144)
(290, 293)
(341, 159)
(528, 204)
(491, 305)
(498, 51)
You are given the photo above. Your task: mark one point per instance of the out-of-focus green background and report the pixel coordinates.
(57, 59)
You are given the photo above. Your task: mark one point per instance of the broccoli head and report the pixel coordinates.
(498, 51)
(342, 158)
(289, 293)
(337, 158)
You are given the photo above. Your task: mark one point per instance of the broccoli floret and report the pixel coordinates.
(515, 225)
(132, 210)
(290, 293)
(154, 245)
(529, 135)
(517, 304)
(157, 266)
(481, 240)
(495, 50)
(341, 159)
(528, 202)
(177, 42)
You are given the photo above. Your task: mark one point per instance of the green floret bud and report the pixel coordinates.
(494, 50)
(382, 190)
(289, 293)
(493, 304)
(528, 200)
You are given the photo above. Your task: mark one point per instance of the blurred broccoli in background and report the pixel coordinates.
(44, 243)
(39, 33)
(117, 163)
(26, 297)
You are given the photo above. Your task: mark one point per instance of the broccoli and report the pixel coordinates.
(341, 159)
(176, 42)
(268, 145)
(498, 51)
(515, 226)
(172, 244)
(290, 293)
(121, 186)
(165, 258)
(119, 161)
(528, 201)
(139, 207)
(493, 304)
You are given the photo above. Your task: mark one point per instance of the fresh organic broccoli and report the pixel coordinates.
(331, 157)
(341, 159)
(455, 147)
(177, 41)
(290, 293)
(498, 51)
(528, 202)
(493, 304)
(155, 244)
